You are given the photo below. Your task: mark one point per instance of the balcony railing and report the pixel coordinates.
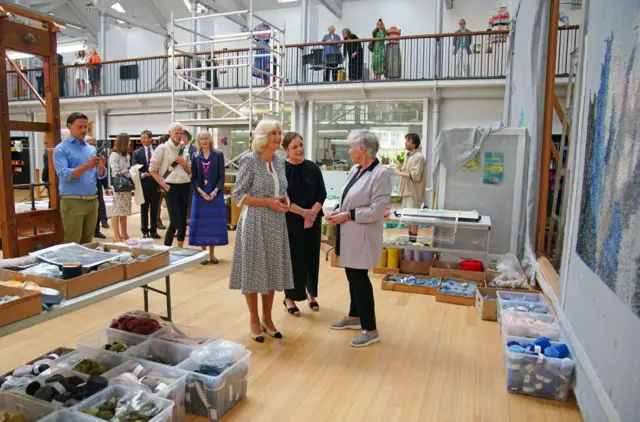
(476, 55)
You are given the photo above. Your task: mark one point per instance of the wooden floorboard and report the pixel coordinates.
(436, 362)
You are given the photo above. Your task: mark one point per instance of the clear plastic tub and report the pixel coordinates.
(68, 416)
(520, 296)
(538, 375)
(110, 360)
(187, 335)
(210, 396)
(171, 354)
(165, 406)
(523, 300)
(529, 325)
(176, 381)
(33, 410)
(101, 338)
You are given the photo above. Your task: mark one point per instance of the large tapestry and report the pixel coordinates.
(609, 229)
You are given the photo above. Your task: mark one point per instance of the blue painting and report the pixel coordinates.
(609, 228)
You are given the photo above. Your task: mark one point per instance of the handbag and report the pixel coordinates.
(123, 183)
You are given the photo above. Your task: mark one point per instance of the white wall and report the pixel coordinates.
(463, 112)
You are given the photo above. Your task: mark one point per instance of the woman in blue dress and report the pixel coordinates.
(208, 223)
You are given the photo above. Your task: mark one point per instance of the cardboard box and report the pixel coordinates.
(407, 288)
(415, 267)
(29, 304)
(385, 270)
(438, 269)
(76, 286)
(157, 259)
(455, 299)
(487, 308)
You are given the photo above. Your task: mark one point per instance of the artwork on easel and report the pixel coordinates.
(493, 168)
(473, 164)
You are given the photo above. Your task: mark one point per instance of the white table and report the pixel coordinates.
(111, 291)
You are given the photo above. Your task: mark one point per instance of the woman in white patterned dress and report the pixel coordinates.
(119, 163)
(261, 259)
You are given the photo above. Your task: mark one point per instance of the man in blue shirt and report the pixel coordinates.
(78, 168)
(331, 67)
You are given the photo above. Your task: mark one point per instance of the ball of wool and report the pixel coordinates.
(39, 369)
(33, 388)
(45, 393)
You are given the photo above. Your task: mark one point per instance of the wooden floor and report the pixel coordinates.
(436, 362)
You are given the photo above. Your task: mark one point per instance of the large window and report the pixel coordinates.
(391, 121)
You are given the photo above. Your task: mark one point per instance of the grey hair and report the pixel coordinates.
(347, 30)
(174, 125)
(332, 26)
(364, 138)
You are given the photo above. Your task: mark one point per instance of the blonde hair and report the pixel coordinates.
(208, 135)
(261, 133)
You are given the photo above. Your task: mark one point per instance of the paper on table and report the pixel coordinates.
(72, 252)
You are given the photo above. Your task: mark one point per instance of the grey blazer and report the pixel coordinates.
(361, 240)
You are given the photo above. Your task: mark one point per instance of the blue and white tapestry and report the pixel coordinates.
(609, 230)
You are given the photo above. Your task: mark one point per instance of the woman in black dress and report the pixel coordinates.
(354, 53)
(304, 223)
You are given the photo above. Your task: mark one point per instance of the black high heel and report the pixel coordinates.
(293, 311)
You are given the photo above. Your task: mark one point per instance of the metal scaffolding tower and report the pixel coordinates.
(265, 41)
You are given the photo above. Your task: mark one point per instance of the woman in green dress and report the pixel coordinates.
(378, 49)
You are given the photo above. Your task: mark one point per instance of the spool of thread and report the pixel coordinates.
(408, 254)
(393, 258)
(71, 270)
(426, 256)
(383, 259)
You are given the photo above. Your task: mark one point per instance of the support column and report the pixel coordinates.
(425, 144)
(103, 47)
(33, 150)
(194, 49)
(435, 131)
(438, 30)
(308, 110)
(304, 18)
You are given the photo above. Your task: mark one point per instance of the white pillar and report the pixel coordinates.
(304, 18)
(103, 36)
(425, 144)
(309, 153)
(438, 30)
(435, 131)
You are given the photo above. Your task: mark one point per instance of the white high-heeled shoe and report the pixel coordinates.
(274, 334)
(256, 337)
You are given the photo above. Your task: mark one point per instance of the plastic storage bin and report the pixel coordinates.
(165, 406)
(184, 334)
(33, 410)
(110, 360)
(538, 375)
(68, 416)
(176, 381)
(64, 372)
(171, 354)
(212, 397)
(522, 302)
(101, 338)
(522, 324)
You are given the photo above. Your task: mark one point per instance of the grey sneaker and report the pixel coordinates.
(346, 324)
(365, 339)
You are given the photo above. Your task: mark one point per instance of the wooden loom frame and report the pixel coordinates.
(39, 39)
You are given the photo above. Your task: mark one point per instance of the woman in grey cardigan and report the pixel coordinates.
(359, 236)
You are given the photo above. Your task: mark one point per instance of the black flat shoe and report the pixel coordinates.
(155, 236)
(105, 225)
(313, 304)
(214, 261)
(146, 236)
(161, 226)
(205, 262)
(293, 311)
(99, 235)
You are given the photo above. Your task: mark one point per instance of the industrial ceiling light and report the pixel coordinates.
(118, 8)
(287, 1)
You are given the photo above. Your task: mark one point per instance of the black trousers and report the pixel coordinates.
(152, 201)
(177, 200)
(102, 208)
(355, 68)
(305, 257)
(361, 292)
(331, 69)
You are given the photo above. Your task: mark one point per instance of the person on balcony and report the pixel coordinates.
(81, 72)
(462, 49)
(378, 49)
(330, 65)
(94, 66)
(354, 54)
(393, 56)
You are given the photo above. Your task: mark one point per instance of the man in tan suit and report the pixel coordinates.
(413, 183)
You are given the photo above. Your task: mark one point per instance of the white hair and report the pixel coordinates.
(364, 138)
(261, 133)
(174, 125)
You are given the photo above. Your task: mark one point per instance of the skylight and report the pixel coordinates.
(118, 8)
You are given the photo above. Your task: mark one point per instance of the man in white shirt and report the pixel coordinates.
(171, 168)
(143, 156)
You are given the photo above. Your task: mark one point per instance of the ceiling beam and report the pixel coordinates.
(156, 14)
(91, 28)
(49, 6)
(136, 22)
(333, 6)
(237, 19)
